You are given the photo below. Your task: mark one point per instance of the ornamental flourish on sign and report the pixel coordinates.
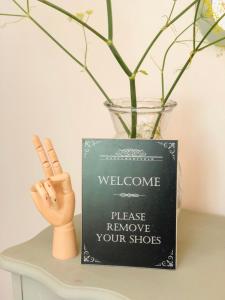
(171, 147)
(169, 262)
(88, 258)
(131, 154)
(88, 145)
(129, 195)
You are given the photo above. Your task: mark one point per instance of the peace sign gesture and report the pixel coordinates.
(55, 200)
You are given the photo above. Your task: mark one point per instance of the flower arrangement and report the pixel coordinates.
(202, 12)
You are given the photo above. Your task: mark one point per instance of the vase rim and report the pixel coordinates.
(148, 105)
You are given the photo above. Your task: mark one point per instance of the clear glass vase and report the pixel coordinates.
(151, 120)
(150, 117)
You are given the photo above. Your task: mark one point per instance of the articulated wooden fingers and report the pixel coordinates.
(43, 157)
(43, 194)
(51, 193)
(56, 166)
(65, 182)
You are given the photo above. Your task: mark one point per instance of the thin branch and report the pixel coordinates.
(86, 43)
(67, 52)
(166, 54)
(185, 67)
(86, 47)
(171, 90)
(65, 12)
(155, 63)
(182, 12)
(210, 30)
(110, 44)
(119, 59)
(11, 22)
(20, 7)
(113, 49)
(179, 76)
(123, 124)
(110, 20)
(160, 32)
(28, 6)
(133, 108)
(194, 25)
(98, 85)
(148, 49)
(171, 12)
(211, 44)
(57, 43)
(13, 15)
(185, 41)
(76, 60)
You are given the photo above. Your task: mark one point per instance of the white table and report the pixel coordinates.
(200, 274)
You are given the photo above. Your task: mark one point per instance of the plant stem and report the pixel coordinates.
(119, 59)
(171, 90)
(113, 49)
(74, 58)
(124, 125)
(185, 66)
(20, 7)
(211, 44)
(179, 76)
(68, 53)
(162, 85)
(110, 21)
(65, 12)
(148, 49)
(133, 108)
(166, 54)
(171, 12)
(57, 43)
(28, 6)
(156, 125)
(160, 32)
(109, 42)
(13, 15)
(210, 30)
(182, 12)
(86, 43)
(194, 25)
(98, 85)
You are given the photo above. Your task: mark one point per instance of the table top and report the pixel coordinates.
(200, 272)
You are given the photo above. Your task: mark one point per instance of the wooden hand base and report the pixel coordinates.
(64, 244)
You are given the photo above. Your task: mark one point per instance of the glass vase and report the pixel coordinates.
(151, 120)
(151, 117)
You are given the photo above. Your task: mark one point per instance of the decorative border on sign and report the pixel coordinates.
(88, 145)
(170, 146)
(129, 195)
(88, 258)
(169, 262)
(131, 154)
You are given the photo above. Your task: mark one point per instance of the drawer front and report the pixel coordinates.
(26, 288)
(33, 290)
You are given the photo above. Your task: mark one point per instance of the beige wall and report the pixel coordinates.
(42, 91)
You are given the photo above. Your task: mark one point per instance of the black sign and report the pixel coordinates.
(129, 202)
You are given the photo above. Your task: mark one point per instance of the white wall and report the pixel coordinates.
(43, 91)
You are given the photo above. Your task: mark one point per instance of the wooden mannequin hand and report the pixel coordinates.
(55, 200)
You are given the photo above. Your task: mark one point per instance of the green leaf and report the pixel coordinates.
(143, 72)
(80, 16)
(89, 12)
